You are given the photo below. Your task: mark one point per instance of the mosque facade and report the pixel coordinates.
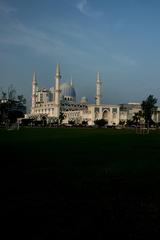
(61, 99)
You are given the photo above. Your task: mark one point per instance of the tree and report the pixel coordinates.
(84, 122)
(14, 114)
(3, 94)
(122, 123)
(72, 122)
(100, 122)
(148, 107)
(11, 92)
(3, 112)
(21, 99)
(129, 122)
(137, 116)
(61, 117)
(11, 107)
(44, 121)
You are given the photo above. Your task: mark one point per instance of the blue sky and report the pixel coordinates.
(118, 38)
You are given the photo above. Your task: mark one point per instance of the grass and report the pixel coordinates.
(83, 180)
(119, 150)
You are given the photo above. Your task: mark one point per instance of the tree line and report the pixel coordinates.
(12, 106)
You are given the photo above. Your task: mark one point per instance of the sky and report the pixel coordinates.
(120, 39)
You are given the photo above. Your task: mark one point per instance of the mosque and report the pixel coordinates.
(61, 99)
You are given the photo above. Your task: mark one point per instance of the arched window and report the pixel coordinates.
(105, 115)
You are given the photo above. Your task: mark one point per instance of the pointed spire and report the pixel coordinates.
(34, 77)
(98, 77)
(71, 82)
(57, 70)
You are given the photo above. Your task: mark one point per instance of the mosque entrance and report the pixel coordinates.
(105, 115)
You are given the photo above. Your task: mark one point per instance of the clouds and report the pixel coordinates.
(123, 59)
(83, 35)
(6, 9)
(85, 9)
(18, 34)
(81, 6)
(42, 42)
(61, 39)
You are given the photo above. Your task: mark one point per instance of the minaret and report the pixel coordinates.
(57, 91)
(98, 89)
(71, 82)
(34, 89)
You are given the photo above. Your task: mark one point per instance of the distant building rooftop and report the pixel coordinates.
(134, 103)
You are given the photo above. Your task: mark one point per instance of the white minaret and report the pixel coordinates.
(98, 89)
(71, 82)
(57, 91)
(34, 89)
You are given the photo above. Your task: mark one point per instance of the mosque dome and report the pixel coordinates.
(68, 91)
(51, 94)
(51, 89)
(84, 100)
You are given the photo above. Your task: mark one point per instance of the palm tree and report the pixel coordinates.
(148, 107)
(137, 116)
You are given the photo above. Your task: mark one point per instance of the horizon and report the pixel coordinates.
(118, 39)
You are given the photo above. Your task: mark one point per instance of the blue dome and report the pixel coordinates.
(67, 90)
(84, 100)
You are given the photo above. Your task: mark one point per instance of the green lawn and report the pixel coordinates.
(94, 180)
(92, 149)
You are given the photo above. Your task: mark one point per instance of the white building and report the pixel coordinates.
(62, 98)
(127, 111)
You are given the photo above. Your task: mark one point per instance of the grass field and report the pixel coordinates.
(69, 181)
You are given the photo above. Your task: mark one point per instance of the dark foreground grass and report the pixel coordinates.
(80, 183)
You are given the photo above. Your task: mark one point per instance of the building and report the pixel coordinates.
(127, 111)
(61, 98)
